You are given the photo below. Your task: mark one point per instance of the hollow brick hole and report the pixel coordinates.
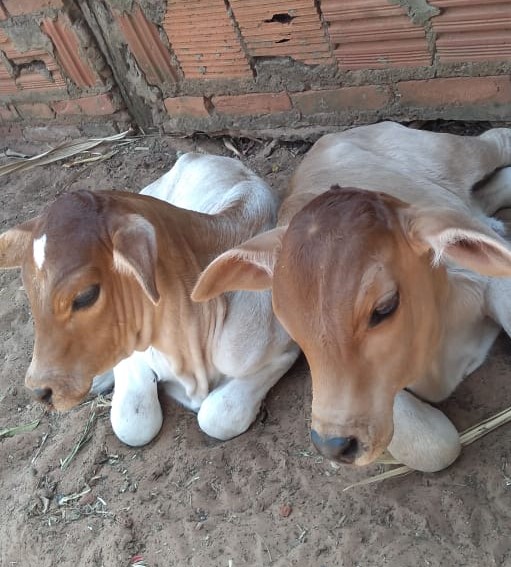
(283, 18)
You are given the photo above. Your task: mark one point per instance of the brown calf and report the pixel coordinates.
(388, 280)
(109, 276)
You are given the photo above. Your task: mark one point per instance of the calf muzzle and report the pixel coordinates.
(340, 449)
(43, 395)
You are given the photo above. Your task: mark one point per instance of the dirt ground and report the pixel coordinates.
(265, 498)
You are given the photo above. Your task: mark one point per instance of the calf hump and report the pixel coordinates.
(14, 244)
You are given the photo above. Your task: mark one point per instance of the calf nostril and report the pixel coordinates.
(43, 394)
(349, 448)
(343, 449)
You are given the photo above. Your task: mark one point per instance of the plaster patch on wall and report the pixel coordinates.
(27, 36)
(420, 11)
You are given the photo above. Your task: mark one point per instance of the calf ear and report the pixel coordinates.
(463, 240)
(14, 244)
(136, 253)
(248, 267)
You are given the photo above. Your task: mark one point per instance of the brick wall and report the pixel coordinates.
(300, 66)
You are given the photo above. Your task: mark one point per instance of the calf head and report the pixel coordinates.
(359, 283)
(88, 268)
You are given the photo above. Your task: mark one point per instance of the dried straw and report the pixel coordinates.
(62, 151)
(84, 438)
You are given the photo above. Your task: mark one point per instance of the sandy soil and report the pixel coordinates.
(263, 499)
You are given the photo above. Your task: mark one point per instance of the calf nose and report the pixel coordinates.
(43, 394)
(342, 449)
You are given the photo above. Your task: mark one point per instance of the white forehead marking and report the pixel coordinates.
(39, 247)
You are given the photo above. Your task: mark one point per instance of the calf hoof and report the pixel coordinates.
(135, 435)
(222, 418)
(424, 438)
(136, 428)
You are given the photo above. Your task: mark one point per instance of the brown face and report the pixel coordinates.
(367, 321)
(77, 269)
(354, 285)
(77, 334)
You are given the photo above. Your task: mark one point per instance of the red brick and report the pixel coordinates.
(67, 47)
(8, 113)
(35, 110)
(144, 41)
(3, 13)
(19, 7)
(374, 34)
(96, 105)
(204, 40)
(187, 106)
(253, 103)
(455, 91)
(302, 37)
(336, 100)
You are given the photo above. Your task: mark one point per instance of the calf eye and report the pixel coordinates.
(384, 310)
(86, 298)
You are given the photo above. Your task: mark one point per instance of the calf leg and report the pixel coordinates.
(424, 438)
(136, 414)
(229, 409)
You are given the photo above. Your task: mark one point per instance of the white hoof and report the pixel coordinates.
(136, 422)
(223, 416)
(424, 438)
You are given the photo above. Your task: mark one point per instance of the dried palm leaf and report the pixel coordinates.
(62, 151)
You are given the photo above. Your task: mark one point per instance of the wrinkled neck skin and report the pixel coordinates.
(183, 252)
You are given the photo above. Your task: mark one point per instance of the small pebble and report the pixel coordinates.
(285, 510)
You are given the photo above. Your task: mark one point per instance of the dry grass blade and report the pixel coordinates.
(62, 151)
(90, 159)
(12, 431)
(231, 147)
(400, 471)
(467, 437)
(75, 496)
(387, 459)
(482, 428)
(84, 438)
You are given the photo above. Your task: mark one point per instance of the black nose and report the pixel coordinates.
(342, 449)
(43, 394)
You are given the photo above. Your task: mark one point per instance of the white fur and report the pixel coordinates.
(247, 347)
(40, 251)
